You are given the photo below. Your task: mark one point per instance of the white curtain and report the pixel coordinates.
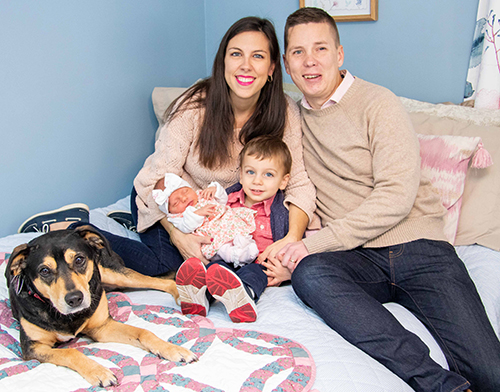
(483, 78)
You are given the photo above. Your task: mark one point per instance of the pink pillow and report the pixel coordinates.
(445, 160)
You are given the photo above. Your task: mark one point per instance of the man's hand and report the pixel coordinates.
(272, 250)
(292, 254)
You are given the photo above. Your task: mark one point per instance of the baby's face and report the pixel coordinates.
(180, 199)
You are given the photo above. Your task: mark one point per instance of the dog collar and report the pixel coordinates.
(17, 282)
(32, 291)
(35, 295)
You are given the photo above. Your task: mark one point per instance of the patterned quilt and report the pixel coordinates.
(229, 359)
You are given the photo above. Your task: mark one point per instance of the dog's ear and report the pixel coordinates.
(94, 238)
(17, 262)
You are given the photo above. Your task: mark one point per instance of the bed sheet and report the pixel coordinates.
(339, 366)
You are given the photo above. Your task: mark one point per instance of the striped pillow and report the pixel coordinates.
(445, 160)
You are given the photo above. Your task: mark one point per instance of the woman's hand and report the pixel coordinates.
(271, 251)
(189, 245)
(276, 273)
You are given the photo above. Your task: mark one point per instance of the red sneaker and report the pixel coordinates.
(227, 287)
(192, 287)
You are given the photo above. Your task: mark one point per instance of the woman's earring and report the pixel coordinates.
(270, 78)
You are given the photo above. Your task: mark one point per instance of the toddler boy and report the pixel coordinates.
(265, 164)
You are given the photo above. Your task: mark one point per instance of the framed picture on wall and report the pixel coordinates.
(346, 10)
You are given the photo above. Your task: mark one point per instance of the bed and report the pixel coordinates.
(288, 348)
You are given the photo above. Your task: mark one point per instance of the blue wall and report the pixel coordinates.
(75, 95)
(76, 79)
(418, 49)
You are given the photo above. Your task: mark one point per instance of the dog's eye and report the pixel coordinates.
(44, 271)
(79, 260)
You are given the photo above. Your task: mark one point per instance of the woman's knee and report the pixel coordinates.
(133, 205)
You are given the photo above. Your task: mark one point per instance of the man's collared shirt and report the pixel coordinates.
(347, 80)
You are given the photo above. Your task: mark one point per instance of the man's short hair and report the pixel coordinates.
(268, 147)
(310, 15)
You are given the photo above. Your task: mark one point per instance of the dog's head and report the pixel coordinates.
(58, 267)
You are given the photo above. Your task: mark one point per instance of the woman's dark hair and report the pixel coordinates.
(213, 94)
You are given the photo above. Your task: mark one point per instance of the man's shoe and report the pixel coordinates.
(227, 287)
(192, 287)
(77, 212)
(124, 218)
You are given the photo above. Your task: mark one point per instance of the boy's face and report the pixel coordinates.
(180, 199)
(261, 179)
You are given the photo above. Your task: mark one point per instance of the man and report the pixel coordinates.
(382, 238)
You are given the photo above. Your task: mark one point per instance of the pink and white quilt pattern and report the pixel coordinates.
(229, 359)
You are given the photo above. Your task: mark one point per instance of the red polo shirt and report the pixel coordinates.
(262, 235)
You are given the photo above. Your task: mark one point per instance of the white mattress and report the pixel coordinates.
(339, 366)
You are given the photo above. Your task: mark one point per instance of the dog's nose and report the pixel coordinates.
(74, 298)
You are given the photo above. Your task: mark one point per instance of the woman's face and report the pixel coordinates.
(247, 65)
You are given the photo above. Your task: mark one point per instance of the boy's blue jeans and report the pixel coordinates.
(347, 290)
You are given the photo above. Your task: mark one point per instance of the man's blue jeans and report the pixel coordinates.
(347, 290)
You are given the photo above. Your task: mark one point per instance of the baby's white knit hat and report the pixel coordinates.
(172, 183)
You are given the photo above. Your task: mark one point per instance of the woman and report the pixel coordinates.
(205, 131)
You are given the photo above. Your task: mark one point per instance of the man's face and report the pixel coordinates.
(313, 59)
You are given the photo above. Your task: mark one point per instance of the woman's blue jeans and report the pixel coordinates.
(155, 255)
(347, 290)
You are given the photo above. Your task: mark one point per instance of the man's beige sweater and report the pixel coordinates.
(363, 156)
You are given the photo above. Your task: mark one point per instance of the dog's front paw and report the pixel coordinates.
(175, 294)
(101, 376)
(176, 353)
(171, 287)
(185, 355)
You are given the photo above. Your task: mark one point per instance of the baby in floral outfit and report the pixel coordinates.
(206, 213)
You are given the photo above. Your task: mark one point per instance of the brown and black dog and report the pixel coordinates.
(56, 287)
